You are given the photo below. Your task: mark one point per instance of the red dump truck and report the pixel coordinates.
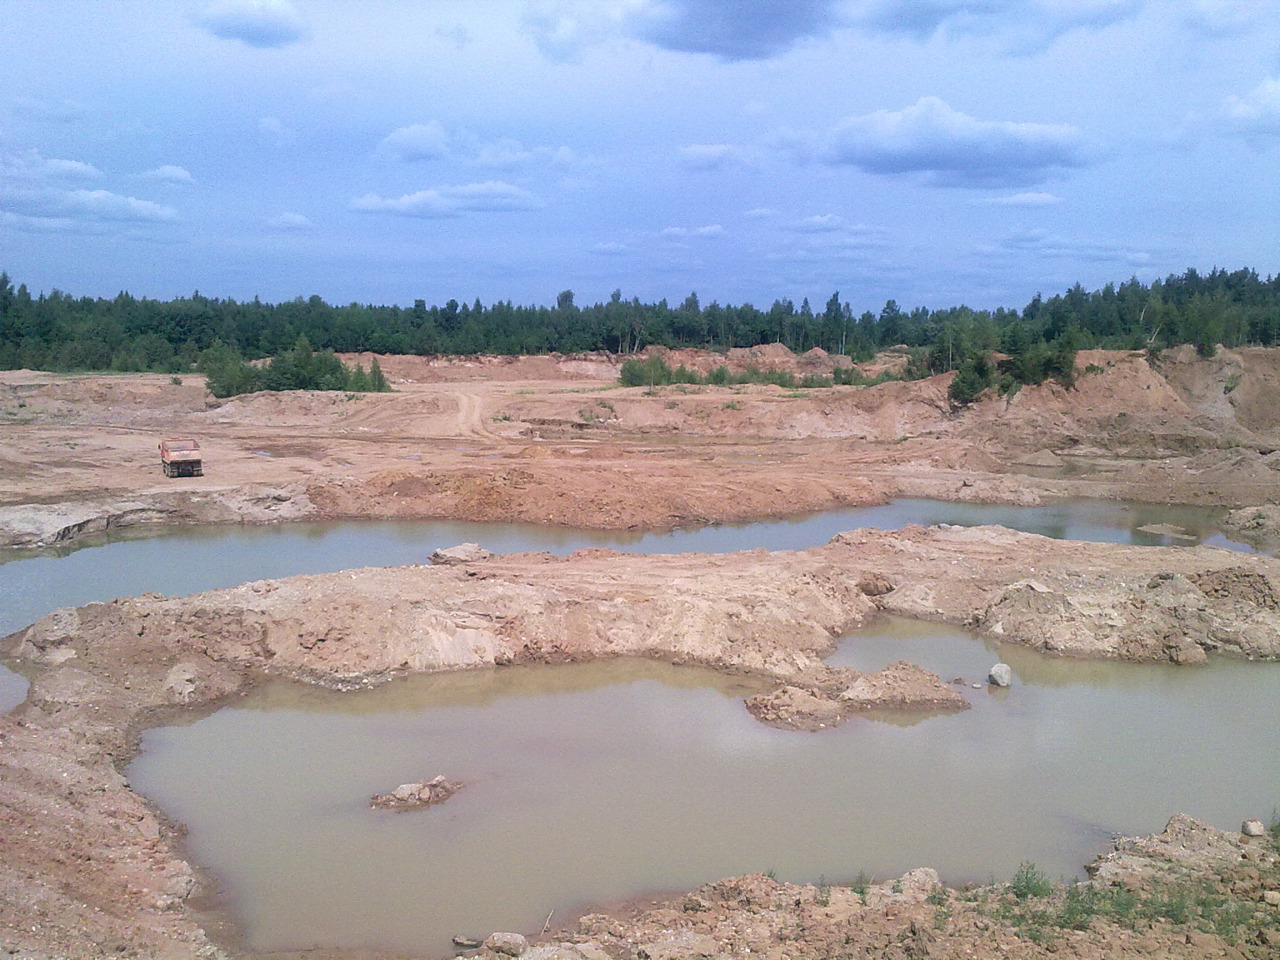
(181, 458)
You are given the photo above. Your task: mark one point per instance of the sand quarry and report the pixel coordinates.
(88, 868)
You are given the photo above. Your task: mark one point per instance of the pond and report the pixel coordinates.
(593, 782)
(183, 560)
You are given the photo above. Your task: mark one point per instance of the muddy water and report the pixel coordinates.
(13, 689)
(593, 782)
(191, 559)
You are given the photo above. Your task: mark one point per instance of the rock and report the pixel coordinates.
(1187, 651)
(508, 944)
(462, 553)
(180, 682)
(874, 585)
(410, 796)
(1271, 898)
(1252, 828)
(466, 943)
(1001, 675)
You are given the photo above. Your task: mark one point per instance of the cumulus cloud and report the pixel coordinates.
(439, 202)
(710, 230)
(418, 141)
(33, 167)
(290, 221)
(258, 23)
(951, 148)
(169, 173)
(431, 141)
(84, 205)
(1257, 113)
(731, 29)
(1024, 25)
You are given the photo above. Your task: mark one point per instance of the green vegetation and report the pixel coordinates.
(302, 368)
(1029, 881)
(1039, 910)
(57, 331)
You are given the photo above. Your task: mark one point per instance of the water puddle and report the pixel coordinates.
(13, 689)
(178, 561)
(591, 782)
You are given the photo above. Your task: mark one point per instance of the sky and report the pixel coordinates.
(937, 152)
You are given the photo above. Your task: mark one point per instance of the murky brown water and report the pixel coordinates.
(600, 781)
(136, 560)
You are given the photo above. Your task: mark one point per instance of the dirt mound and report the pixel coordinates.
(1202, 893)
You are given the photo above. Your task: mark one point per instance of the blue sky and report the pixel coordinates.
(934, 151)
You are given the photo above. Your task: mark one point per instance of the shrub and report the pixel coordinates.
(1029, 881)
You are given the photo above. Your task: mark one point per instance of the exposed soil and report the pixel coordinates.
(88, 868)
(555, 440)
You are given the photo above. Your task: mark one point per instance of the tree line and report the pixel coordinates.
(60, 332)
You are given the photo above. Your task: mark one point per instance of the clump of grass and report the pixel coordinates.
(823, 897)
(1029, 881)
(861, 884)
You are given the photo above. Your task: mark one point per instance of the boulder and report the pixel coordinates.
(507, 944)
(1001, 675)
(1252, 828)
(462, 553)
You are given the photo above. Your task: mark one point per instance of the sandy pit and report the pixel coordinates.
(89, 868)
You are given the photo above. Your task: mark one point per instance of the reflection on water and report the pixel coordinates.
(186, 560)
(13, 689)
(599, 781)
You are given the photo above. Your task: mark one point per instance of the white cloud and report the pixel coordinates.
(818, 223)
(611, 248)
(502, 152)
(490, 196)
(710, 230)
(290, 221)
(1026, 199)
(80, 205)
(1257, 113)
(32, 167)
(714, 156)
(951, 148)
(418, 141)
(431, 141)
(258, 23)
(274, 130)
(169, 173)
(759, 213)
(1021, 25)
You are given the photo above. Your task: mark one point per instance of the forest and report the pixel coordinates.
(60, 332)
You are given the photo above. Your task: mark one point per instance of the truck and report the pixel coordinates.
(181, 458)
